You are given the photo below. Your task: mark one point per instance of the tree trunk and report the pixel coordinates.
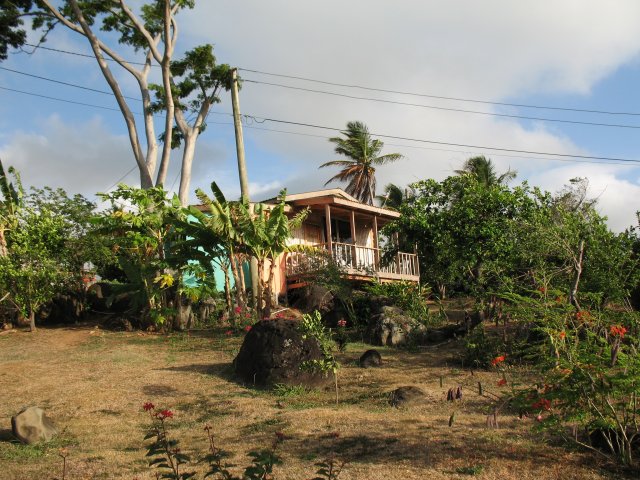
(3, 243)
(32, 320)
(260, 293)
(227, 289)
(573, 296)
(187, 161)
(236, 279)
(269, 290)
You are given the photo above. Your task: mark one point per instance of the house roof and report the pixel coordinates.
(335, 196)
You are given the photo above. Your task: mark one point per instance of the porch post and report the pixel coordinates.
(354, 262)
(376, 245)
(327, 218)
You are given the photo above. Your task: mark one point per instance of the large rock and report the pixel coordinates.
(370, 358)
(273, 352)
(390, 326)
(407, 396)
(31, 425)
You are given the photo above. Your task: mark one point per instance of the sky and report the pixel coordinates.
(564, 54)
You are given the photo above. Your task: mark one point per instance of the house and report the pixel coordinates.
(347, 230)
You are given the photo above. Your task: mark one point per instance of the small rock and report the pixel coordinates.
(406, 396)
(31, 425)
(370, 358)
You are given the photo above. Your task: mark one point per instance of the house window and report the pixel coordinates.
(340, 231)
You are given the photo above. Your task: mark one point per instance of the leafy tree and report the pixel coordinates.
(464, 231)
(31, 272)
(152, 30)
(483, 170)
(363, 155)
(141, 228)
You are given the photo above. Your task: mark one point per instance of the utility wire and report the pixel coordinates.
(334, 129)
(448, 109)
(122, 178)
(382, 90)
(463, 145)
(104, 92)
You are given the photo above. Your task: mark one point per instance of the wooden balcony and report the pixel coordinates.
(358, 263)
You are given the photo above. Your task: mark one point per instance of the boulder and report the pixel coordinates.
(273, 352)
(370, 358)
(406, 397)
(31, 425)
(391, 327)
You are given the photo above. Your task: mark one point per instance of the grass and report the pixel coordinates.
(92, 383)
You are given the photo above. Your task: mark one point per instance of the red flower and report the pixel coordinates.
(342, 323)
(247, 328)
(237, 309)
(280, 315)
(562, 335)
(229, 332)
(148, 406)
(498, 360)
(542, 290)
(502, 382)
(618, 331)
(164, 414)
(583, 315)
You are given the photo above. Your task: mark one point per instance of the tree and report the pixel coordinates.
(363, 154)
(11, 201)
(31, 272)
(394, 196)
(483, 170)
(154, 32)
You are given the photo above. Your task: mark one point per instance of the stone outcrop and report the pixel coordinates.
(31, 425)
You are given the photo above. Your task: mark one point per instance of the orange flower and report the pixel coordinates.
(498, 360)
(562, 335)
(618, 331)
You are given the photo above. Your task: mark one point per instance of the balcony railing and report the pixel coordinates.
(356, 260)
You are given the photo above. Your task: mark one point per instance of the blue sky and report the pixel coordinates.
(578, 54)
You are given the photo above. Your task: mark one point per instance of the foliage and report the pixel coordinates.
(10, 203)
(32, 272)
(588, 373)
(480, 348)
(363, 154)
(483, 171)
(141, 235)
(311, 326)
(409, 296)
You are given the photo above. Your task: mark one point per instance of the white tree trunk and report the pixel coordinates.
(187, 161)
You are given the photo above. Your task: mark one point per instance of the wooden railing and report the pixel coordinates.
(356, 259)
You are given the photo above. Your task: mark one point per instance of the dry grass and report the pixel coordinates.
(93, 383)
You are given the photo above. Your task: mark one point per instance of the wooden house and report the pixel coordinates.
(346, 230)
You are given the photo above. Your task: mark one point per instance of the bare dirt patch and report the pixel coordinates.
(93, 384)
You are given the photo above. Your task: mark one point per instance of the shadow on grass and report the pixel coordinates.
(223, 370)
(6, 435)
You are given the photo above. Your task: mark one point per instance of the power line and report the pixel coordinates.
(374, 89)
(440, 97)
(334, 129)
(122, 178)
(463, 145)
(104, 92)
(448, 109)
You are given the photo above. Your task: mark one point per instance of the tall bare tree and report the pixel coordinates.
(151, 29)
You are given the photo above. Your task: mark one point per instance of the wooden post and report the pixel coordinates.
(376, 245)
(327, 218)
(242, 167)
(353, 237)
(397, 244)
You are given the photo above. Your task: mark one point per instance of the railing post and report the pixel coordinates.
(354, 264)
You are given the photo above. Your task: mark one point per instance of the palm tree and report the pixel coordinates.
(394, 196)
(363, 154)
(482, 169)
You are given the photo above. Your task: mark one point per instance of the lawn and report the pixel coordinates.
(93, 383)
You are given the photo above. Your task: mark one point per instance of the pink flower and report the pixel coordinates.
(229, 332)
(238, 310)
(280, 315)
(148, 406)
(342, 322)
(247, 328)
